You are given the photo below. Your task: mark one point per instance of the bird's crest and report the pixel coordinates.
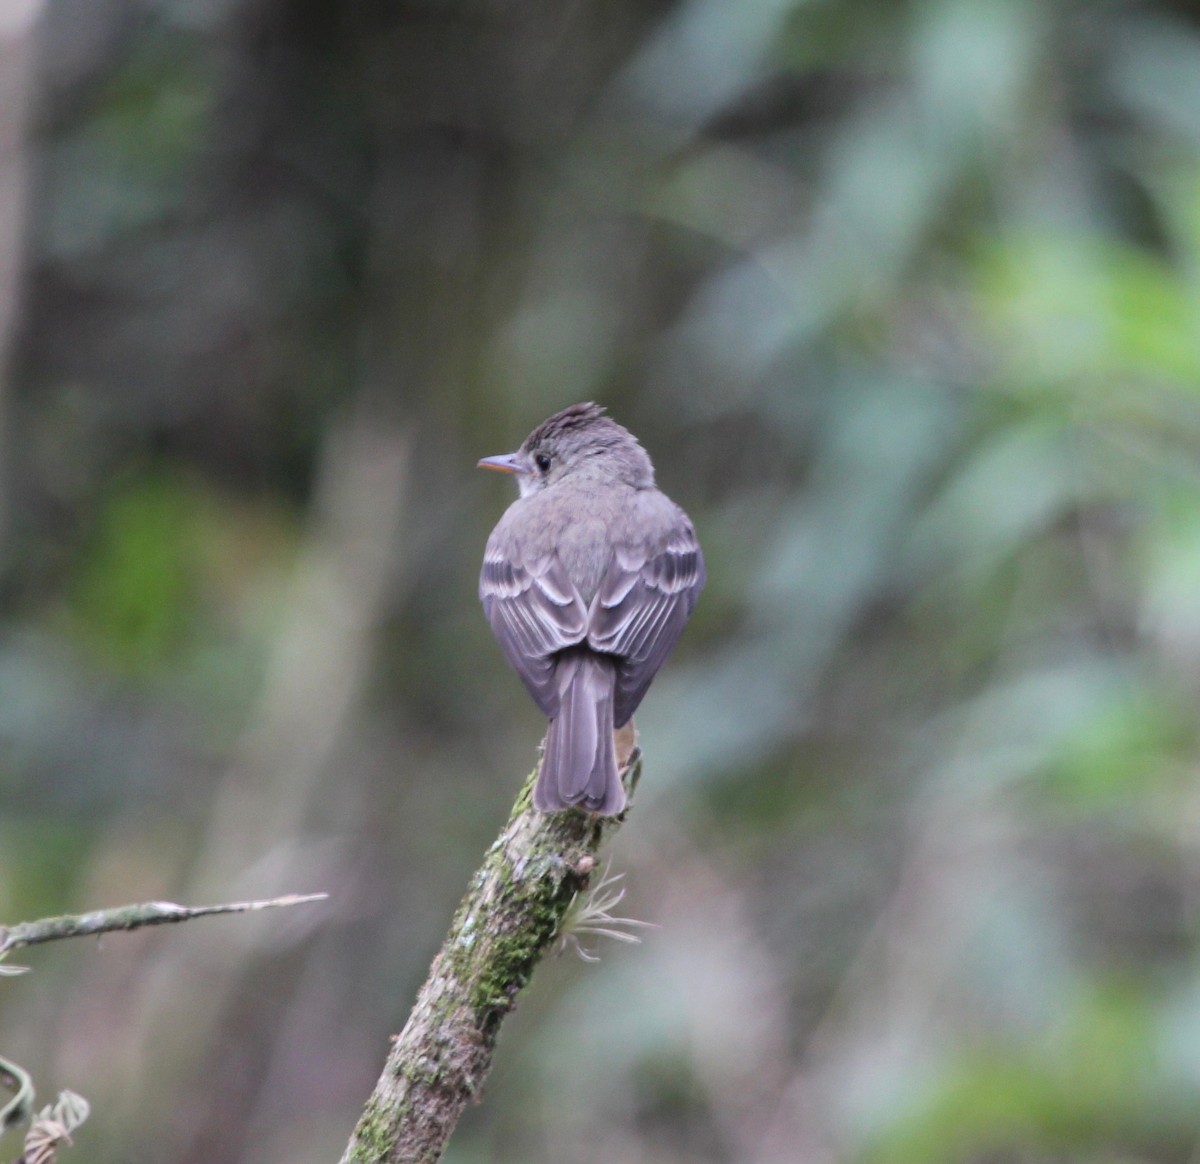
(576, 416)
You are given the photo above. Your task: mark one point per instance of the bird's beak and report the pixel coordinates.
(505, 463)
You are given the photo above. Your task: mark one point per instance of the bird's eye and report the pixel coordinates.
(542, 461)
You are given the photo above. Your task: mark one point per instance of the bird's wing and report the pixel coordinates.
(534, 611)
(640, 609)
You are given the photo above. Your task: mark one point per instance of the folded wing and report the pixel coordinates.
(641, 607)
(535, 612)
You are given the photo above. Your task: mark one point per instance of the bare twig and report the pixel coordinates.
(17, 1080)
(130, 917)
(510, 916)
(55, 1124)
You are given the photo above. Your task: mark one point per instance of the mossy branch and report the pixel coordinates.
(512, 912)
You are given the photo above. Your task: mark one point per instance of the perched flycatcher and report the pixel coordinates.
(587, 582)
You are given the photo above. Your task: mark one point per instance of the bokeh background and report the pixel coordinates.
(904, 298)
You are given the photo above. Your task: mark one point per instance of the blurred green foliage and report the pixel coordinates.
(135, 593)
(1093, 1086)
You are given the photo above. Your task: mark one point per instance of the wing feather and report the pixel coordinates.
(534, 612)
(641, 607)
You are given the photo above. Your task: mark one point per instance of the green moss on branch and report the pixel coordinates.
(511, 913)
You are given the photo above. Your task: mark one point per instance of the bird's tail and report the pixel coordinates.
(579, 763)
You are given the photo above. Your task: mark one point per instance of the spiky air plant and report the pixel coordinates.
(590, 915)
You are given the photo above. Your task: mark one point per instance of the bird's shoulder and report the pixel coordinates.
(655, 523)
(539, 523)
(571, 524)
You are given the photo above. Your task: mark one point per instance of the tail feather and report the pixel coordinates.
(579, 762)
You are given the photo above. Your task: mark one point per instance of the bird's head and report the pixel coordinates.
(579, 443)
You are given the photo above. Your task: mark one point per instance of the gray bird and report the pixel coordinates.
(587, 582)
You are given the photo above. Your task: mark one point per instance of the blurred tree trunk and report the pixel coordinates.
(17, 22)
